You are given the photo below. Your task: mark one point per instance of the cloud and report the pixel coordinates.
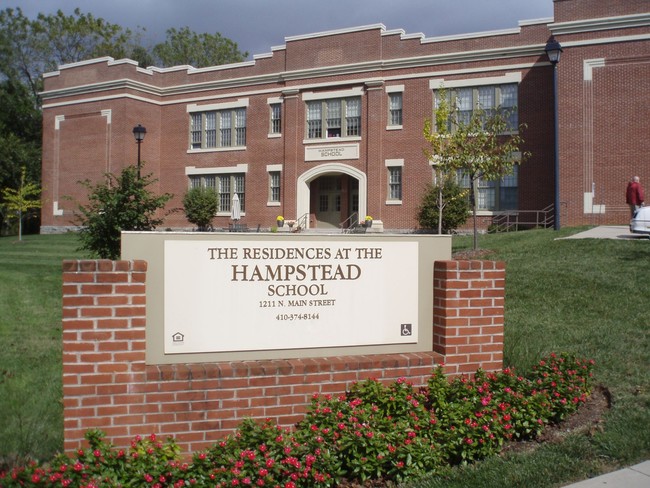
(258, 25)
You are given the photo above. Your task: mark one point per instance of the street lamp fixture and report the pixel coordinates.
(139, 132)
(553, 51)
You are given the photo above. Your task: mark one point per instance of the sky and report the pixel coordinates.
(258, 25)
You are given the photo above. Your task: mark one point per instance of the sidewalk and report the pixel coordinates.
(607, 232)
(637, 476)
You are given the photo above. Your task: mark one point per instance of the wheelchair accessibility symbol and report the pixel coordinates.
(406, 329)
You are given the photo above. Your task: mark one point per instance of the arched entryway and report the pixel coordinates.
(330, 193)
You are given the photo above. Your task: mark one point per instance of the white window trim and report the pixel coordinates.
(240, 103)
(439, 83)
(274, 168)
(269, 102)
(314, 96)
(395, 89)
(194, 108)
(392, 163)
(194, 171)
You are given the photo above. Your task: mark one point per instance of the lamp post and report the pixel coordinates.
(139, 132)
(553, 51)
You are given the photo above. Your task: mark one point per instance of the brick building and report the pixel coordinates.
(329, 124)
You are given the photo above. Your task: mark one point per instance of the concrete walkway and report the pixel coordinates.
(607, 232)
(637, 476)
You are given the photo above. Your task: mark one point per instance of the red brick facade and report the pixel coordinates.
(90, 108)
(107, 384)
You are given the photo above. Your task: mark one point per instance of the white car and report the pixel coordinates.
(640, 223)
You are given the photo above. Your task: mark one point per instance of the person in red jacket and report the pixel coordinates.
(634, 195)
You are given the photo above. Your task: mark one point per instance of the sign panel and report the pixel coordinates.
(238, 295)
(332, 152)
(235, 296)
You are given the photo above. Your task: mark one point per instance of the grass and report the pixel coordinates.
(587, 297)
(30, 341)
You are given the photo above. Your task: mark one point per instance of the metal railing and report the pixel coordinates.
(301, 223)
(351, 224)
(523, 219)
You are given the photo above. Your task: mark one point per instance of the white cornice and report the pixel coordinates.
(351, 69)
(297, 89)
(349, 30)
(604, 23)
(377, 66)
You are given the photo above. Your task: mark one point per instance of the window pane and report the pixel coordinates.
(353, 116)
(276, 118)
(486, 97)
(314, 120)
(224, 193)
(196, 130)
(395, 106)
(509, 103)
(322, 203)
(226, 132)
(275, 186)
(464, 105)
(334, 118)
(211, 129)
(210, 182)
(240, 126)
(238, 182)
(395, 183)
(195, 181)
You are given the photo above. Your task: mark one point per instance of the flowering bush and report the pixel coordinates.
(368, 217)
(279, 217)
(373, 431)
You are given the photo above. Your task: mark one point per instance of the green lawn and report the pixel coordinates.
(588, 297)
(30, 341)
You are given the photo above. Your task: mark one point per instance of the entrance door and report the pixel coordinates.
(328, 202)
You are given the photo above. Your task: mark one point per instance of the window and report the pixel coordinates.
(334, 118)
(226, 186)
(489, 98)
(496, 195)
(395, 183)
(274, 186)
(214, 129)
(395, 109)
(276, 118)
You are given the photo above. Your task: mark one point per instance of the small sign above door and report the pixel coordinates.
(329, 153)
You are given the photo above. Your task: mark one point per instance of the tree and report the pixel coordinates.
(200, 205)
(483, 148)
(29, 48)
(120, 203)
(21, 200)
(184, 47)
(441, 151)
(456, 206)
(20, 135)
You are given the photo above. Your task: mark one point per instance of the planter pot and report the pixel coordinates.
(280, 223)
(368, 223)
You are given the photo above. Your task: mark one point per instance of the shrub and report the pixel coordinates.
(455, 210)
(200, 205)
(373, 431)
(120, 203)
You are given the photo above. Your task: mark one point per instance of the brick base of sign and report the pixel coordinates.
(107, 385)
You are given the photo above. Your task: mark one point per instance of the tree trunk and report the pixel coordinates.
(440, 202)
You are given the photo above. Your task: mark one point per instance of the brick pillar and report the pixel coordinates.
(103, 347)
(468, 314)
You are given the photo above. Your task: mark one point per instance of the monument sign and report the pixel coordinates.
(262, 296)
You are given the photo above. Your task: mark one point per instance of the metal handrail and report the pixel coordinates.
(350, 223)
(508, 220)
(301, 222)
